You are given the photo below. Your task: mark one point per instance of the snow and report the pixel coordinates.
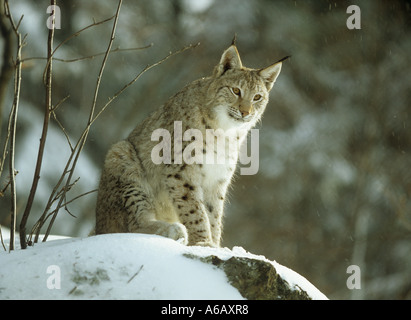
(122, 266)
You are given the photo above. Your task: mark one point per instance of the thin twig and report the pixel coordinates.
(7, 64)
(135, 275)
(47, 111)
(37, 226)
(62, 129)
(68, 39)
(65, 205)
(90, 57)
(79, 196)
(5, 149)
(147, 68)
(53, 113)
(72, 290)
(13, 123)
(2, 192)
(54, 196)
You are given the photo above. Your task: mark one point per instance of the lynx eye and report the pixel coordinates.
(236, 91)
(257, 97)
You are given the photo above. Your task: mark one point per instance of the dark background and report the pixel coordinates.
(334, 183)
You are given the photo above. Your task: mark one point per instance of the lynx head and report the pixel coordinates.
(240, 93)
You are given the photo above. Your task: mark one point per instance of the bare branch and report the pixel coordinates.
(80, 196)
(5, 149)
(83, 137)
(147, 68)
(13, 123)
(55, 196)
(7, 65)
(48, 107)
(49, 57)
(59, 123)
(90, 57)
(59, 191)
(3, 191)
(82, 140)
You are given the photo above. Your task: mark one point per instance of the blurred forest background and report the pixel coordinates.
(334, 184)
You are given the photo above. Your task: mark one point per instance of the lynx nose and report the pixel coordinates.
(246, 110)
(244, 113)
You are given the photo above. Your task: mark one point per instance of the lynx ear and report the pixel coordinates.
(229, 60)
(271, 73)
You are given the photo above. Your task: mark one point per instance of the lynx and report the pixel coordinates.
(180, 200)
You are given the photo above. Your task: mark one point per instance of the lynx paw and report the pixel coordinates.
(178, 232)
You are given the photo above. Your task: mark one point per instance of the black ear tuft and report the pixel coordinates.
(234, 42)
(283, 59)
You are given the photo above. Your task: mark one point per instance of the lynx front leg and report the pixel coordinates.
(194, 217)
(141, 217)
(192, 213)
(214, 204)
(215, 214)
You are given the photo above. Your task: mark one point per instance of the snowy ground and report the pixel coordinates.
(122, 266)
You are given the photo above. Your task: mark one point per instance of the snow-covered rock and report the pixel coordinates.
(137, 266)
